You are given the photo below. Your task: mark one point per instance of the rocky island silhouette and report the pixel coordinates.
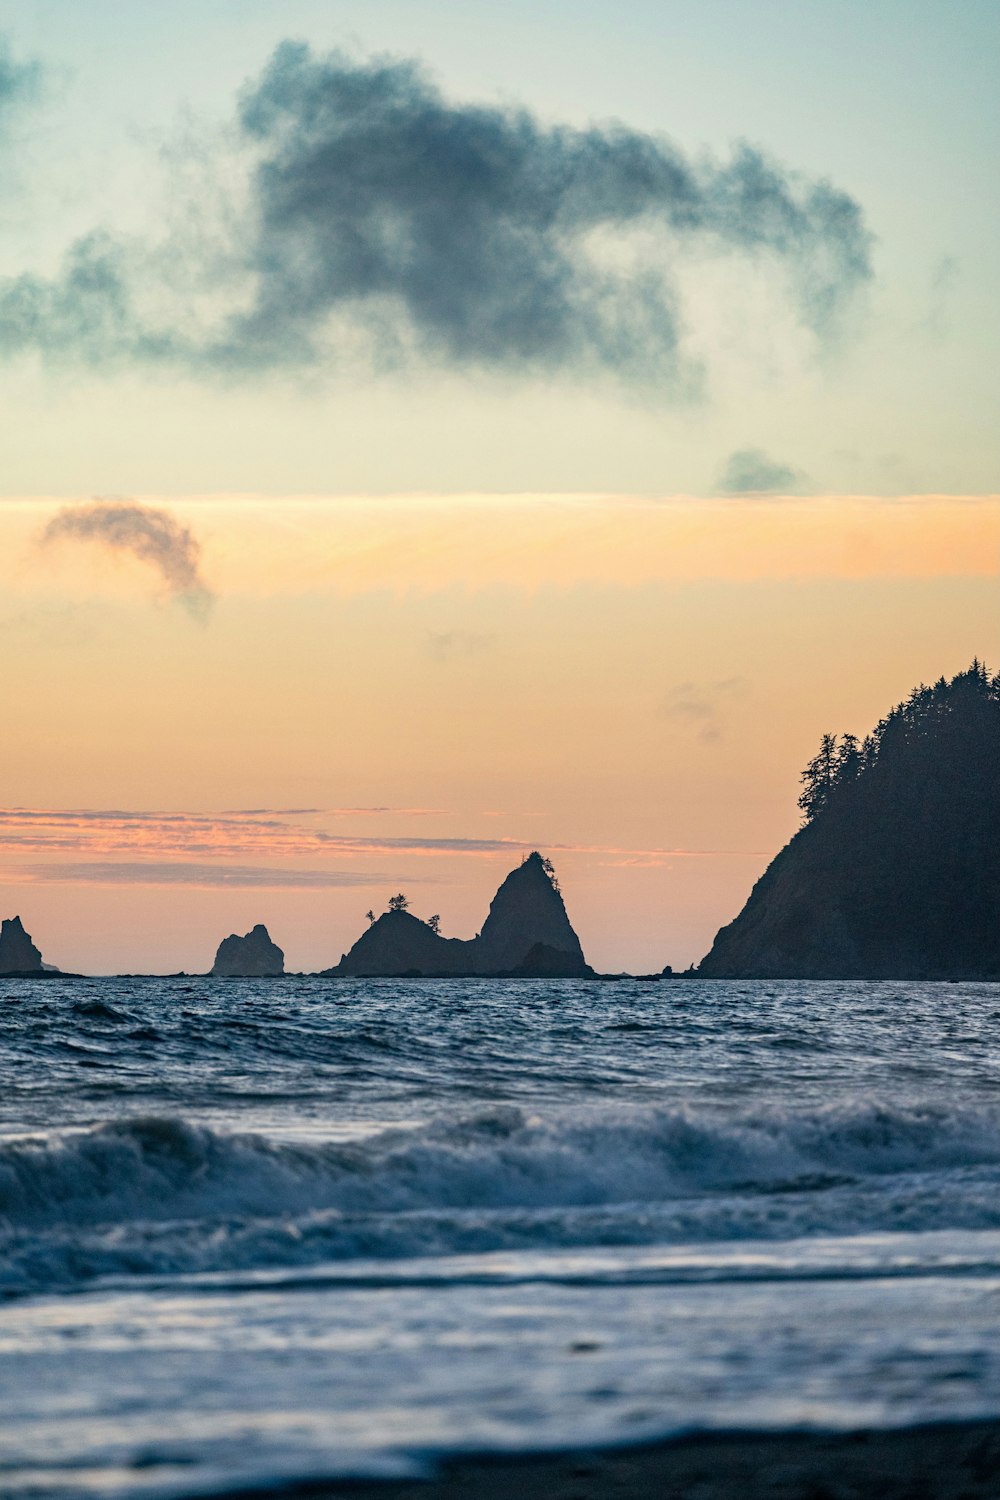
(18, 954)
(527, 935)
(252, 956)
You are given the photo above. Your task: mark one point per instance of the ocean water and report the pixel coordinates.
(255, 1231)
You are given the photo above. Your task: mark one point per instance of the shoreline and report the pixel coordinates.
(668, 979)
(934, 1461)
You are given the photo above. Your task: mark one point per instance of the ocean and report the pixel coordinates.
(261, 1232)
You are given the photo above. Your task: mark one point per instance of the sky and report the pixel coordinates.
(437, 431)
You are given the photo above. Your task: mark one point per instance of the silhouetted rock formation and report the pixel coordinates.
(251, 957)
(527, 935)
(896, 873)
(527, 911)
(399, 943)
(18, 954)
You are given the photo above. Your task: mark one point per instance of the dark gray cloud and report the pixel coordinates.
(390, 224)
(19, 81)
(751, 471)
(149, 534)
(89, 312)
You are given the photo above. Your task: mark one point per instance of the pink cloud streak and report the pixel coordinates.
(96, 834)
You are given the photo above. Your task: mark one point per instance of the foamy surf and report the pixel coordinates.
(157, 1194)
(375, 1224)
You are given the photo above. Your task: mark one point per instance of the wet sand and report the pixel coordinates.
(953, 1461)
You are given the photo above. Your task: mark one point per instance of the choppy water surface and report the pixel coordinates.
(272, 1229)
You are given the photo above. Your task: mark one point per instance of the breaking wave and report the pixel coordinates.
(158, 1195)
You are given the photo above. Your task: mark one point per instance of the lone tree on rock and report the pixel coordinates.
(434, 923)
(399, 903)
(370, 915)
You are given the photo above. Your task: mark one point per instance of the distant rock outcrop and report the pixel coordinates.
(251, 957)
(527, 935)
(526, 913)
(896, 873)
(18, 954)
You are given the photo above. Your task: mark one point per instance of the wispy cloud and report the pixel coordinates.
(333, 812)
(159, 872)
(95, 838)
(237, 834)
(751, 471)
(150, 534)
(944, 277)
(20, 82)
(387, 224)
(702, 704)
(447, 645)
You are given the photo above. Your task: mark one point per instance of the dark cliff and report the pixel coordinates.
(527, 934)
(896, 873)
(18, 954)
(251, 957)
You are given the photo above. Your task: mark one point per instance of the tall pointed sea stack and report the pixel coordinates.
(527, 934)
(18, 954)
(527, 926)
(896, 873)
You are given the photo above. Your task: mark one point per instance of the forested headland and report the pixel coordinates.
(895, 872)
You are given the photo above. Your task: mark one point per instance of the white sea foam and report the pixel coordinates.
(157, 1194)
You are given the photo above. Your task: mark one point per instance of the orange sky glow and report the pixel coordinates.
(383, 693)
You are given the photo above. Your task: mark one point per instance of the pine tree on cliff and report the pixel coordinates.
(819, 777)
(919, 737)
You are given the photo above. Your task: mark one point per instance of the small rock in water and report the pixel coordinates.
(253, 956)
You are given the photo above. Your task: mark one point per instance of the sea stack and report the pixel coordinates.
(253, 956)
(527, 935)
(18, 954)
(527, 930)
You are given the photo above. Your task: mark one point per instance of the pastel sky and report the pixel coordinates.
(437, 431)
